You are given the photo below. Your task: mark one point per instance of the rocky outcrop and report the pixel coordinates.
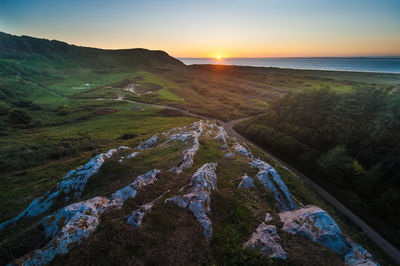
(188, 155)
(74, 182)
(242, 150)
(151, 142)
(268, 217)
(223, 136)
(266, 240)
(135, 218)
(358, 256)
(273, 182)
(198, 198)
(131, 155)
(246, 182)
(130, 190)
(69, 226)
(316, 224)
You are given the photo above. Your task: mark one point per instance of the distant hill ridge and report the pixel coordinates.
(21, 47)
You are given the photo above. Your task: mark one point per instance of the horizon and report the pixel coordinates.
(231, 29)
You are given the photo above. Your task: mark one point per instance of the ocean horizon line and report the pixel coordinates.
(300, 57)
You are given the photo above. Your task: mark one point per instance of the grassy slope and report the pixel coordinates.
(170, 234)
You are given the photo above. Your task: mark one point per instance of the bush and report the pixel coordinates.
(19, 116)
(63, 111)
(3, 109)
(23, 103)
(35, 106)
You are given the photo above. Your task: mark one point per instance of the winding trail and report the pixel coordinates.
(228, 126)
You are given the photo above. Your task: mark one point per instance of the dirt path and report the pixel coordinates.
(371, 233)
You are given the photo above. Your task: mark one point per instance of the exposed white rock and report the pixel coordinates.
(242, 150)
(182, 137)
(274, 183)
(198, 198)
(131, 88)
(358, 256)
(69, 226)
(74, 181)
(316, 224)
(135, 218)
(268, 217)
(266, 240)
(229, 155)
(188, 155)
(223, 136)
(133, 154)
(247, 182)
(148, 143)
(36, 207)
(169, 132)
(122, 158)
(130, 190)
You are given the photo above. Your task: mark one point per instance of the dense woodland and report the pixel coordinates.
(349, 143)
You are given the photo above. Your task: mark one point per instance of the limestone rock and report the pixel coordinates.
(68, 227)
(247, 182)
(198, 198)
(316, 224)
(358, 256)
(242, 150)
(266, 240)
(274, 183)
(188, 155)
(130, 190)
(148, 143)
(135, 218)
(268, 217)
(74, 181)
(131, 155)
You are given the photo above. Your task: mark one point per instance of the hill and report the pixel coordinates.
(189, 195)
(62, 107)
(56, 52)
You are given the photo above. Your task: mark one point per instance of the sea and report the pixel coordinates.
(359, 64)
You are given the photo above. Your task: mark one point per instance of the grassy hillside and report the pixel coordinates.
(169, 234)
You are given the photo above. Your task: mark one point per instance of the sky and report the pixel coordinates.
(205, 28)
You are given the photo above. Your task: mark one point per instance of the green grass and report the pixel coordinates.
(75, 83)
(168, 95)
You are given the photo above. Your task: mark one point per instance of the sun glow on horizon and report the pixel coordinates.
(219, 57)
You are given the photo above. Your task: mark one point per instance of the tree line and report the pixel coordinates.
(349, 143)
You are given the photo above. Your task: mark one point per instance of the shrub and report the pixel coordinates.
(19, 116)
(3, 109)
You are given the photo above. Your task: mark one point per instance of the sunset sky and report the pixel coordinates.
(231, 28)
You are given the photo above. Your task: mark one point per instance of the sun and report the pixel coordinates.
(218, 57)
